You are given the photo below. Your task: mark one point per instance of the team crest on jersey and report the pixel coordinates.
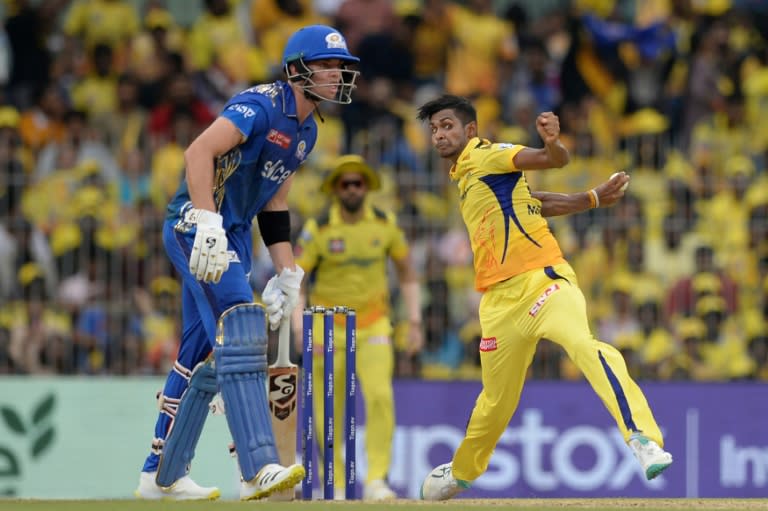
(301, 150)
(335, 40)
(541, 299)
(336, 245)
(279, 138)
(488, 344)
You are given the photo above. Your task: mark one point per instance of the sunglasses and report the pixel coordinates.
(348, 183)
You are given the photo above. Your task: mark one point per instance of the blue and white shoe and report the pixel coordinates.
(441, 485)
(653, 458)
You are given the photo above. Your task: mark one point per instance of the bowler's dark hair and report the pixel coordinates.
(461, 106)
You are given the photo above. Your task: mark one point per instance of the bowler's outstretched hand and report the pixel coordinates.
(611, 191)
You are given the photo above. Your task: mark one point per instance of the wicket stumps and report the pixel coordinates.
(350, 415)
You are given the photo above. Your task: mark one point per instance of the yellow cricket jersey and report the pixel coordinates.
(508, 234)
(348, 262)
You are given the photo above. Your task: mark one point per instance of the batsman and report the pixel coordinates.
(345, 253)
(240, 168)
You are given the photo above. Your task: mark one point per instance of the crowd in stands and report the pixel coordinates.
(99, 98)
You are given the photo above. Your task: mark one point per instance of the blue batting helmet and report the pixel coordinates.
(316, 42)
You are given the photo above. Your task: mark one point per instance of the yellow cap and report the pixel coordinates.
(658, 347)
(688, 328)
(710, 303)
(87, 168)
(706, 282)
(739, 165)
(164, 284)
(628, 341)
(29, 272)
(678, 167)
(646, 121)
(87, 201)
(602, 8)
(647, 291)
(711, 7)
(405, 8)
(9, 117)
(65, 237)
(158, 18)
(622, 282)
(350, 163)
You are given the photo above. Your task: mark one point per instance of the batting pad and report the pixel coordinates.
(179, 447)
(241, 366)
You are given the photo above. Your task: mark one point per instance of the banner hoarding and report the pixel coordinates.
(87, 438)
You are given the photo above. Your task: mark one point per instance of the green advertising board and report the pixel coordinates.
(84, 438)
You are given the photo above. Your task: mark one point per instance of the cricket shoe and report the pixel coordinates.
(441, 485)
(653, 458)
(270, 479)
(378, 490)
(183, 489)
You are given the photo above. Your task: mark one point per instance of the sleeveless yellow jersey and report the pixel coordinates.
(508, 234)
(348, 262)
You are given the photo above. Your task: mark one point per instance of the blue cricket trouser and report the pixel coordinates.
(202, 304)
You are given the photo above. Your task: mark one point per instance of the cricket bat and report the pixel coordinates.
(283, 379)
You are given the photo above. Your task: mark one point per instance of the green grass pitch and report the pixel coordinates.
(400, 505)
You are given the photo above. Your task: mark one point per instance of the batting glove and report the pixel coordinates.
(281, 295)
(209, 259)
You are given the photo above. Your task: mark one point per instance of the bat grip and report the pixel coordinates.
(284, 343)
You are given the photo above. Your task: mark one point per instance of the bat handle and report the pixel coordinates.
(284, 343)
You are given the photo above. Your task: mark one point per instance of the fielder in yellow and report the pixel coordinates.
(345, 255)
(529, 290)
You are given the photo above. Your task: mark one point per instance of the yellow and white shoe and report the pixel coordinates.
(441, 485)
(270, 479)
(378, 490)
(183, 489)
(653, 458)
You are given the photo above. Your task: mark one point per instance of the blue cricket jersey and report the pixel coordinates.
(249, 175)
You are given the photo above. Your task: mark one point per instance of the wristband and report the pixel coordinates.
(203, 217)
(594, 200)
